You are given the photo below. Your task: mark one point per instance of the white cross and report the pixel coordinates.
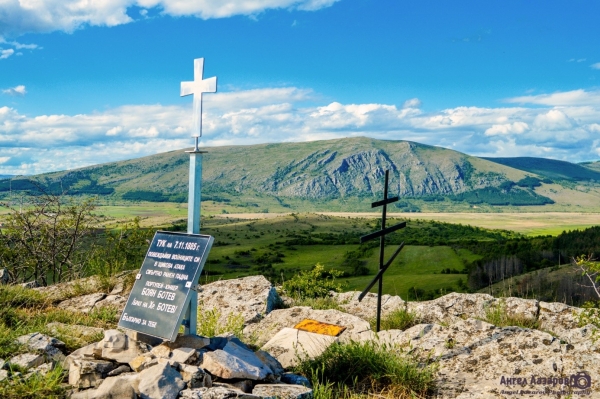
(197, 87)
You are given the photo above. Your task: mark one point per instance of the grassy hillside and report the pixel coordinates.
(342, 174)
(551, 168)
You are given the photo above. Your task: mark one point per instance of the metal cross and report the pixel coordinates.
(381, 234)
(197, 87)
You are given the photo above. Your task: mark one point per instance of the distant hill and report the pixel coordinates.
(595, 166)
(328, 175)
(551, 168)
(2, 177)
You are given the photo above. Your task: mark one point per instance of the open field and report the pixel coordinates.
(531, 223)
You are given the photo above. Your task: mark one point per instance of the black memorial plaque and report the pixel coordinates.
(172, 267)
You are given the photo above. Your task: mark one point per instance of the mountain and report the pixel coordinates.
(551, 168)
(322, 174)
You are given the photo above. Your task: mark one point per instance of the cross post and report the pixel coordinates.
(196, 87)
(381, 234)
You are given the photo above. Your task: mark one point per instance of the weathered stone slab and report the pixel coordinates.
(160, 381)
(143, 362)
(290, 346)
(50, 346)
(282, 391)
(216, 393)
(87, 373)
(252, 297)
(452, 307)
(367, 308)
(27, 360)
(194, 376)
(3, 375)
(118, 387)
(119, 347)
(558, 318)
(83, 304)
(271, 362)
(115, 301)
(184, 355)
(188, 341)
(287, 318)
(234, 361)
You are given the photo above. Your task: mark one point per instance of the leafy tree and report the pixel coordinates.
(46, 240)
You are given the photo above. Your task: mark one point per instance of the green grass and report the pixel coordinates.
(349, 370)
(399, 319)
(498, 316)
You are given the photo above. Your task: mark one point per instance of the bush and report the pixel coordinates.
(315, 283)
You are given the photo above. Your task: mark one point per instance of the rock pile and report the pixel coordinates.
(474, 358)
(191, 367)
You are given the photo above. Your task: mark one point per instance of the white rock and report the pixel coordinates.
(216, 393)
(367, 308)
(3, 375)
(252, 297)
(290, 346)
(160, 381)
(116, 301)
(27, 360)
(184, 355)
(86, 373)
(119, 347)
(194, 376)
(233, 361)
(119, 387)
(50, 346)
(558, 318)
(271, 362)
(278, 319)
(282, 391)
(452, 307)
(83, 303)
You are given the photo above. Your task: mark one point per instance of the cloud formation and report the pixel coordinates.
(55, 142)
(18, 17)
(15, 91)
(596, 65)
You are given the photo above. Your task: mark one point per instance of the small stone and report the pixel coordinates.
(235, 362)
(194, 376)
(87, 373)
(43, 369)
(50, 346)
(161, 350)
(119, 347)
(143, 362)
(184, 355)
(27, 360)
(3, 375)
(119, 370)
(270, 361)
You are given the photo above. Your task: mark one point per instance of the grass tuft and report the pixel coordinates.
(399, 319)
(498, 316)
(35, 386)
(354, 369)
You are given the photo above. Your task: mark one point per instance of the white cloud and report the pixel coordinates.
(596, 65)
(53, 142)
(15, 91)
(22, 16)
(573, 97)
(507, 128)
(4, 54)
(412, 103)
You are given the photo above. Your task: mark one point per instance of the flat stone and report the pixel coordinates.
(367, 308)
(160, 381)
(27, 360)
(278, 319)
(234, 361)
(282, 391)
(163, 350)
(216, 393)
(115, 301)
(83, 304)
(289, 346)
(184, 355)
(251, 297)
(188, 341)
(119, 370)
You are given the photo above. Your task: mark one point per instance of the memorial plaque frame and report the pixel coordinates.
(163, 291)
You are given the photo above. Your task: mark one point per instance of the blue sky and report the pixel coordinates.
(86, 82)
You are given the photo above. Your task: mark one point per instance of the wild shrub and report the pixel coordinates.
(314, 283)
(210, 325)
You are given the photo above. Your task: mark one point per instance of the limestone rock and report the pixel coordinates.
(119, 347)
(290, 346)
(367, 308)
(119, 387)
(558, 318)
(30, 284)
(119, 370)
(282, 318)
(143, 362)
(83, 303)
(162, 351)
(216, 393)
(160, 381)
(452, 307)
(187, 341)
(252, 297)
(27, 360)
(194, 376)
(50, 346)
(116, 301)
(234, 361)
(519, 307)
(184, 355)
(282, 391)
(87, 373)
(295, 379)
(271, 362)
